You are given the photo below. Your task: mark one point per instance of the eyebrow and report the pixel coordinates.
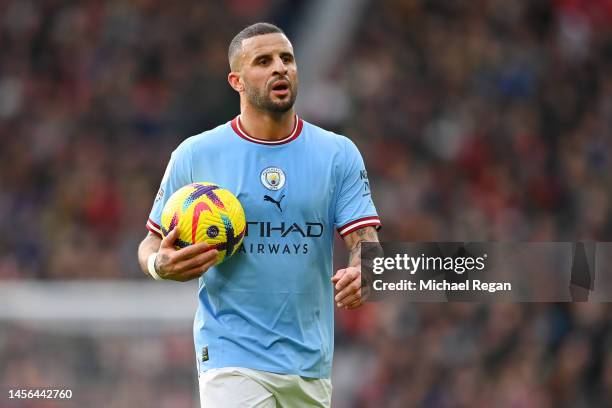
(268, 55)
(260, 56)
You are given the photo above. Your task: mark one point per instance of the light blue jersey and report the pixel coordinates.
(270, 307)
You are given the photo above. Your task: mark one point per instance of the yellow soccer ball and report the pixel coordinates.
(205, 212)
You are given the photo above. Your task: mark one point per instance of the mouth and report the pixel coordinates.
(280, 87)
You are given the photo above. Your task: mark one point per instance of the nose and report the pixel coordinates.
(279, 66)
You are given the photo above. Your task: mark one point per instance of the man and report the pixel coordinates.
(264, 326)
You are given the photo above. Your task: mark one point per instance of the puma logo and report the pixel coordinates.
(270, 199)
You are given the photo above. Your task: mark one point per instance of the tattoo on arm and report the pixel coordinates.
(363, 231)
(354, 240)
(355, 255)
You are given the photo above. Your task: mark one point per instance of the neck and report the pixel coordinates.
(267, 125)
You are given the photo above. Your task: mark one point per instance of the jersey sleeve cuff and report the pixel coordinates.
(154, 228)
(359, 223)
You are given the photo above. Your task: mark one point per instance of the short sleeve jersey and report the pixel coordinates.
(270, 306)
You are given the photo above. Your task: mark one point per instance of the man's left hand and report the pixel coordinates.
(348, 288)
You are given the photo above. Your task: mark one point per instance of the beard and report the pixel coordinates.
(261, 100)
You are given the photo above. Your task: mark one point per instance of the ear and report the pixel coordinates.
(235, 81)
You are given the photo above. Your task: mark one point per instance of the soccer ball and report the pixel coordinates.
(205, 212)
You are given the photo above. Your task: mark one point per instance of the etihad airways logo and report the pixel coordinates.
(287, 230)
(283, 229)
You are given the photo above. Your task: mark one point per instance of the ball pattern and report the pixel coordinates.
(205, 212)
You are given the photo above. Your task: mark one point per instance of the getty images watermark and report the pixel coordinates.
(412, 264)
(506, 272)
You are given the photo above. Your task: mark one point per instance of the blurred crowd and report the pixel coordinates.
(141, 369)
(94, 96)
(481, 120)
(478, 120)
(470, 355)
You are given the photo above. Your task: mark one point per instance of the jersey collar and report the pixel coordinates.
(297, 129)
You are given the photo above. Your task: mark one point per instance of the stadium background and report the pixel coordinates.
(478, 120)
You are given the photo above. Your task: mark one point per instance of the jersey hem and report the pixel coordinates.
(269, 369)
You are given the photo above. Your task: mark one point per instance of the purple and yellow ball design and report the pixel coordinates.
(205, 212)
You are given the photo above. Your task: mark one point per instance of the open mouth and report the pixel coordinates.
(280, 87)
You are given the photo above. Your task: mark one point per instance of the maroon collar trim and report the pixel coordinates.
(297, 129)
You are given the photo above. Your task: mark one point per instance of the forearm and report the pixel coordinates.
(148, 245)
(351, 284)
(354, 245)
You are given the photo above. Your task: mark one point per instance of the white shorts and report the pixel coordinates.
(233, 387)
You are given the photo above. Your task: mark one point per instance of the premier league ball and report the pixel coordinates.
(205, 212)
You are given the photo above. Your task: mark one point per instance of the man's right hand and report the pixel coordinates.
(186, 263)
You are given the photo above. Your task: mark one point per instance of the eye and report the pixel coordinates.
(262, 61)
(287, 59)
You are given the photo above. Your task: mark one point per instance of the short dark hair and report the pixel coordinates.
(248, 32)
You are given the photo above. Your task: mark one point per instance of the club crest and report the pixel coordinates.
(273, 178)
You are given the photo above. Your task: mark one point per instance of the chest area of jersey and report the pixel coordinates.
(276, 191)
